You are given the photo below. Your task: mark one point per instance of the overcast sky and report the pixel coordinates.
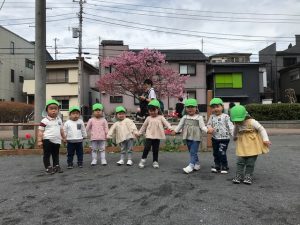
(176, 24)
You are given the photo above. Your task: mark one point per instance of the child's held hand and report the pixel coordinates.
(173, 133)
(267, 143)
(210, 130)
(40, 144)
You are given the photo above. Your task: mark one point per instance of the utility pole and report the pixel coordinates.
(40, 59)
(202, 45)
(55, 48)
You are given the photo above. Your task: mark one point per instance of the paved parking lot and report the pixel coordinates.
(128, 195)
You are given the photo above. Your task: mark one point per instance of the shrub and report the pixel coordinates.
(14, 112)
(282, 111)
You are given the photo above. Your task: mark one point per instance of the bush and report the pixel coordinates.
(283, 111)
(14, 112)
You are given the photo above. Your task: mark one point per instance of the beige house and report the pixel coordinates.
(62, 84)
(190, 62)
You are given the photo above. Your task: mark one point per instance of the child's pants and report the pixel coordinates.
(126, 147)
(245, 164)
(98, 146)
(154, 143)
(219, 152)
(73, 147)
(50, 149)
(193, 147)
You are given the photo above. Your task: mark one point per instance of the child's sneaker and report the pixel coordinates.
(197, 167)
(237, 179)
(155, 165)
(58, 169)
(129, 162)
(70, 166)
(248, 179)
(215, 169)
(142, 163)
(80, 165)
(188, 169)
(49, 170)
(94, 162)
(224, 170)
(103, 162)
(120, 162)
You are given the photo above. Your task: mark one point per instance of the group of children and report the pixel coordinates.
(251, 138)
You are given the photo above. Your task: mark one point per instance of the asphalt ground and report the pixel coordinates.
(124, 195)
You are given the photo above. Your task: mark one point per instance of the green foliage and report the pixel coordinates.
(171, 145)
(282, 111)
(2, 144)
(111, 143)
(139, 142)
(31, 143)
(16, 143)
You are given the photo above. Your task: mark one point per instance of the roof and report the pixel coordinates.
(230, 54)
(295, 50)
(75, 61)
(112, 42)
(180, 54)
(236, 64)
(297, 65)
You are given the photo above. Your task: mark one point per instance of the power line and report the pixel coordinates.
(65, 14)
(2, 4)
(32, 23)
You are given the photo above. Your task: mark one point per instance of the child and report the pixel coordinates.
(123, 131)
(49, 137)
(223, 128)
(251, 140)
(75, 131)
(192, 124)
(98, 127)
(154, 129)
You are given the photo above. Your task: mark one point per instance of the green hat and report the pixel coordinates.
(190, 102)
(74, 108)
(120, 109)
(154, 103)
(238, 113)
(216, 101)
(52, 102)
(97, 106)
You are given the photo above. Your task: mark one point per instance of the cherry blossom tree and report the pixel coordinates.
(130, 69)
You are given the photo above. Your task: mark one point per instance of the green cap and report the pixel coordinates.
(238, 113)
(191, 102)
(216, 101)
(154, 103)
(97, 106)
(120, 109)
(74, 108)
(52, 101)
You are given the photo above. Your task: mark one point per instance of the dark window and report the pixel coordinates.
(12, 47)
(63, 101)
(187, 69)
(116, 99)
(289, 61)
(58, 76)
(191, 94)
(21, 79)
(29, 63)
(12, 99)
(12, 76)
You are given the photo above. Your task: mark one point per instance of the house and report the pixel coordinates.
(62, 84)
(276, 61)
(290, 79)
(236, 81)
(16, 65)
(230, 57)
(185, 61)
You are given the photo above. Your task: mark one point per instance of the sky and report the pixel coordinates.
(223, 26)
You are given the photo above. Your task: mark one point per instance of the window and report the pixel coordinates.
(187, 69)
(12, 76)
(58, 76)
(12, 47)
(21, 79)
(63, 101)
(109, 69)
(116, 99)
(29, 63)
(289, 61)
(295, 77)
(233, 80)
(12, 99)
(191, 94)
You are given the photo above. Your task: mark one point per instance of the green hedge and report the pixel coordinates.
(283, 111)
(14, 112)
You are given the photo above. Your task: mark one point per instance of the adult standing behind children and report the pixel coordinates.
(179, 107)
(149, 94)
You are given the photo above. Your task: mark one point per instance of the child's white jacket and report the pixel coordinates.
(75, 130)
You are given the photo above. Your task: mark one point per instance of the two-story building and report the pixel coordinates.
(190, 62)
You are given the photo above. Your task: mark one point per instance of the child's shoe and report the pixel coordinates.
(237, 180)
(120, 162)
(215, 169)
(155, 165)
(58, 169)
(80, 165)
(129, 162)
(224, 170)
(197, 167)
(142, 163)
(103, 162)
(188, 169)
(94, 162)
(49, 170)
(248, 179)
(70, 166)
